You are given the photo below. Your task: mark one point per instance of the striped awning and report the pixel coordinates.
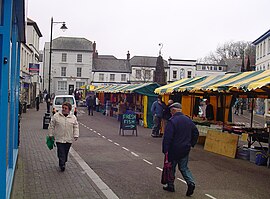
(143, 88)
(243, 82)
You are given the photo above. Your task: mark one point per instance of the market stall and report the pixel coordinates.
(221, 91)
(139, 98)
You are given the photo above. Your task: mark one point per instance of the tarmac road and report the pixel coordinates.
(131, 166)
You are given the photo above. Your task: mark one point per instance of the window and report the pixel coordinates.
(101, 77)
(264, 48)
(199, 67)
(268, 51)
(64, 57)
(147, 74)
(189, 74)
(62, 85)
(79, 72)
(79, 84)
(123, 77)
(174, 75)
(63, 71)
(215, 68)
(138, 74)
(182, 73)
(79, 58)
(220, 68)
(203, 67)
(112, 77)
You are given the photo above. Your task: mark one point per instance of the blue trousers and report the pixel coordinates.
(183, 168)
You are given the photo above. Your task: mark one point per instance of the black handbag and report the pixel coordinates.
(167, 172)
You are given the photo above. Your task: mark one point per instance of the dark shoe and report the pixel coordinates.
(190, 189)
(62, 168)
(154, 136)
(169, 188)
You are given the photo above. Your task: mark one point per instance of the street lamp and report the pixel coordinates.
(63, 27)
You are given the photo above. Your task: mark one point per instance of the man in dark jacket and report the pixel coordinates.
(157, 109)
(90, 101)
(180, 135)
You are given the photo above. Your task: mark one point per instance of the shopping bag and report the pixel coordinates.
(167, 173)
(50, 142)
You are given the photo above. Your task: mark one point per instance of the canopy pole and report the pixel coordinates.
(251, 118)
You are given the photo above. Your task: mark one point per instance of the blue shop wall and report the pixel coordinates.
(12, 33)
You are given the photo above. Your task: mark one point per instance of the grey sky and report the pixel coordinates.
(188, 29)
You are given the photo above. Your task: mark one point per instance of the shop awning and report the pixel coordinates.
(143, 88)
(255, 82)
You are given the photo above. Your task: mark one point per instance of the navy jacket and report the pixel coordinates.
(180, 135)
(157, 109)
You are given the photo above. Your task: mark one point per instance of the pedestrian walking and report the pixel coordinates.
(37, 102)
(180, 135)
(48, 102)
(157, 109)
(64, 127)
(90, 101)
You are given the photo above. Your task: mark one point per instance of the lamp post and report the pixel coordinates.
(63, 27)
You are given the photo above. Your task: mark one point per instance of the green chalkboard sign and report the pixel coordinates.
(128, 122)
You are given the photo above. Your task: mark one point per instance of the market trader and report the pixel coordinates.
(180, 135)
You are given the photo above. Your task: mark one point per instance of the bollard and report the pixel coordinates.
(46, 120)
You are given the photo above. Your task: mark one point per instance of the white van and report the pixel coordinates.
(60, 99)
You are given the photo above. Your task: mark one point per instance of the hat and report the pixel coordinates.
(176, 105)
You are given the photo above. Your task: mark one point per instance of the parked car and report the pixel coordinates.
(60, 99)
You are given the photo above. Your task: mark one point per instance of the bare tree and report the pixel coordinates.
(229, 50)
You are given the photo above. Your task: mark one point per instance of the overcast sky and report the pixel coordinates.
(188, 29)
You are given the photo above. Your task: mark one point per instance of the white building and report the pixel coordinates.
(181, 68)
(143, 69)
(210, 69)
(71, 64)
(29, 71)
(263, 63)
(107, 69)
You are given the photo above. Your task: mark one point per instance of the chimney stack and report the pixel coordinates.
(128, 56)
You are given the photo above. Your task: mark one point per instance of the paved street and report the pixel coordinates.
(126, 166)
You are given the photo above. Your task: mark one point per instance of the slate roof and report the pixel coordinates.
(145, 61)
(234, 65)
(72, 44)
(110, 65)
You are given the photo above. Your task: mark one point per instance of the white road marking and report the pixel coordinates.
(94, 177)
(98, 133)
(147, 161)
(134, 154)
(104, 137)
(159, 168)
(109, 140)
(116, 144)
(94, 131)
(208, 195)
(125, 148)
(182, 180)
(91, 129)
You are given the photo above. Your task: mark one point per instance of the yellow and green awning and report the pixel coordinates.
(243, 82)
